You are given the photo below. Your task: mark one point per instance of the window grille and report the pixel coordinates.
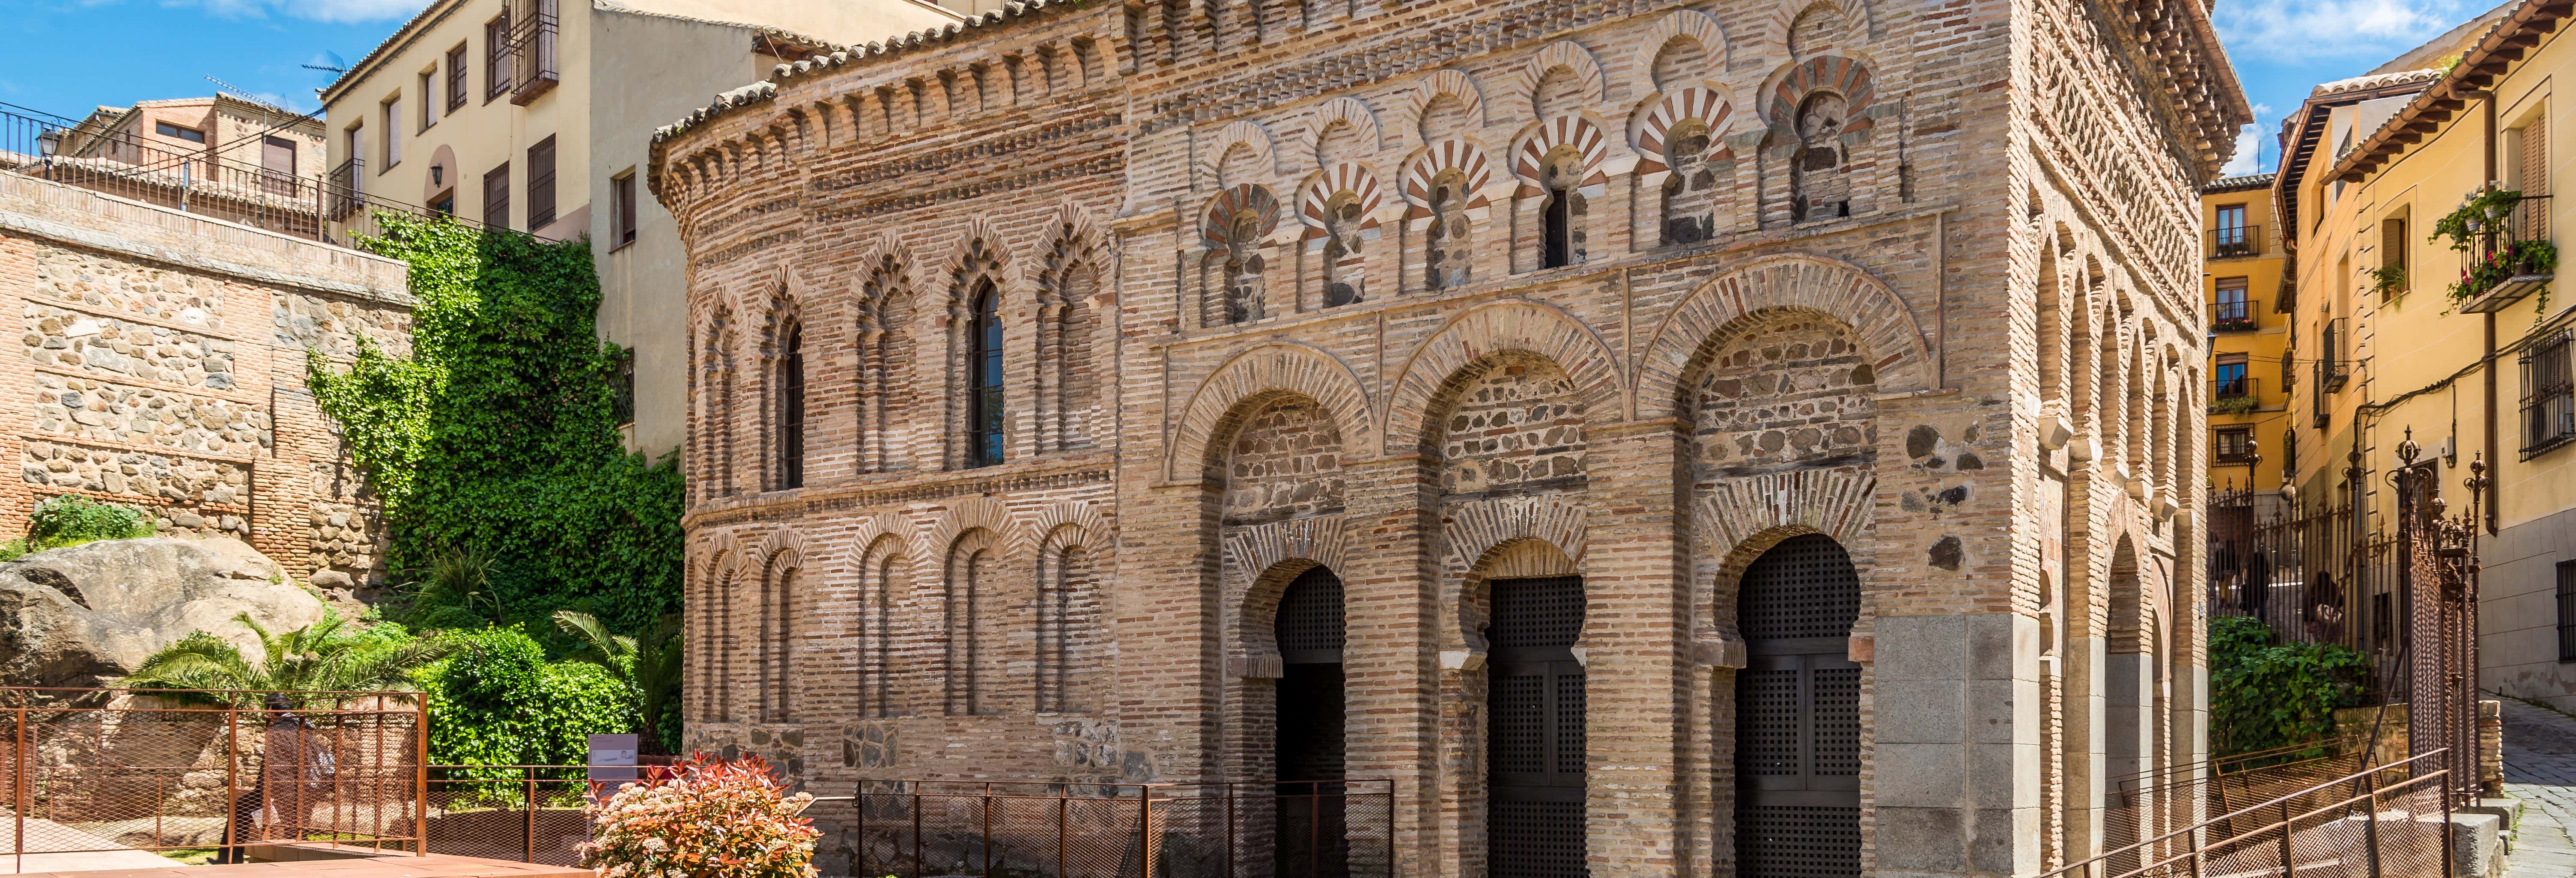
(541, 184)
(456, 78)
(2567, 611)
(1309, 624)
(496, 197)
(2548, 395)
(496, 56)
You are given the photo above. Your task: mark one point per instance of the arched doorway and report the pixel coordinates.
(1797, 725)
(1534, 736)
(1311, 836)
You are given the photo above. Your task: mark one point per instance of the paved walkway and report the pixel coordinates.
(2540, 769)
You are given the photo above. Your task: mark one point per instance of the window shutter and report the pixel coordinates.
(626, 209)
(496, 197)
(541, 184)
(2535, 174)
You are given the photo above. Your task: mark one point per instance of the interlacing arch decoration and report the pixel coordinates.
(1705, 103)
(1451, 83)
(1677, 348)
(1834, 73)
(1572, 132)
(1240, 132)
(1344, 111)
(782, 562)
(1259, 373)
(1571, 56)
(885, 306)
(1471, 338)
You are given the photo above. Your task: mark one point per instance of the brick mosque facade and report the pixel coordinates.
(1809, 394)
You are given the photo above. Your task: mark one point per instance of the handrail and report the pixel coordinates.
(2277, 803)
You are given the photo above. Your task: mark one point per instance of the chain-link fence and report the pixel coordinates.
(527, 813)
(1304, 829)
(95, 770)
(2391, 820)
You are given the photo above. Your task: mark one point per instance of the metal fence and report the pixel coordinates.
(99, 770)
(1304, 829)
(332, 208)
(527, 813)
(2391, 820)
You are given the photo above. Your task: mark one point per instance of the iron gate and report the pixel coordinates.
(1534, 749)
(1798, 713)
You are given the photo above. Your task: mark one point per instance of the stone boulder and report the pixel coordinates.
(84, 615)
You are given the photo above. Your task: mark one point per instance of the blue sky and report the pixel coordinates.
(67, 56)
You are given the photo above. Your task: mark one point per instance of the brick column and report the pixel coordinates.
(1636, 658)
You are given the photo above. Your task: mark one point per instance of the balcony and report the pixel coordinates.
(532, 55)
(345, 189)
(2232, 315)
(2233, 396)
(2505, 251)
(2232, 242)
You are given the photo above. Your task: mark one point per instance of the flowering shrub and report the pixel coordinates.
(714, 819)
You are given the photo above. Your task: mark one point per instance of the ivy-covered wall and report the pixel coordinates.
(495, 435)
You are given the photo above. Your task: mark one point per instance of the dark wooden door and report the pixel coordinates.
(1312, 837)
(1534, 741)
(1797, 701)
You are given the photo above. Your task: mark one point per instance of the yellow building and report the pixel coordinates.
(2401, 327)
(534, 115)
(2248, 332)
(222, 126)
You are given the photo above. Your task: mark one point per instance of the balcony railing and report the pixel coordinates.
(331, 207)
(532, 53)
(2229, 242)
(2509, 256)
(2233, 396)
(2232, 315)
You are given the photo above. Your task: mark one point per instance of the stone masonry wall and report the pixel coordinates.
(160, 363)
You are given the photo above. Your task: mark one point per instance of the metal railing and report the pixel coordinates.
(1302, 829)
(2232, 315)
(2388, 820)
(332, 208)
(91, 771)
(527, 813)
(2511, 256)
(532, 53)
(2227, 242)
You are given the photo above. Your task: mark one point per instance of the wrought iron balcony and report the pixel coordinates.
(532, 54)
(2233, 396)
(2229, 242)
(2509, 256)
(2232, 315)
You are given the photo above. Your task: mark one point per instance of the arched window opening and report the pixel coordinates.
(1312, 836)
(1797, 700)
(791, 410)
(1535, 734)
(1067, 635)
(1243, 265)
(1818, 186)
(893, 583)
(984, 383)
(1560, 216)
(1688, 217)
(1342, 263)
(1447, 259)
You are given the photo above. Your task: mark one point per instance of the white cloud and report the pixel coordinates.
(334, 11)
(2251, 142)
(2294, 31)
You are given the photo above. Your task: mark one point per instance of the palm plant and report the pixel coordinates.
(459, 578)
(324, 657)
(649, 665)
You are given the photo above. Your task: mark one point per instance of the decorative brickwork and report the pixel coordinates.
(1656, 290)
(161, 361)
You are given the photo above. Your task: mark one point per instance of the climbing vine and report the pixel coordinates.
(2265, 694)
(495, 434)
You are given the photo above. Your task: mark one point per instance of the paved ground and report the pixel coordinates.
(2540, 768)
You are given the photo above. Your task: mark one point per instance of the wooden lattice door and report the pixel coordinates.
(1534, 743)
(1312, 838)
(1797, 732)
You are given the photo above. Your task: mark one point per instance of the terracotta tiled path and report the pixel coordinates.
(432, 866)
(2540, 769)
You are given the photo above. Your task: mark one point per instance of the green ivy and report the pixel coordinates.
(495, 433)
(2266, 694)
(497, 701)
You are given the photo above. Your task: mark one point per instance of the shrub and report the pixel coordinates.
(2266, 694)
(717, 819)
(497, 701)
(71, 519)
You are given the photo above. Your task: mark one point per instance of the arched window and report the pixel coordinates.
(984, 387)
(1342, 266)
(1448, 233)
(1817, 183)
(1561, 215)
(791, 410)
(1797, 713)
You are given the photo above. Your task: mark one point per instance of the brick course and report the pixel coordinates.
(1978, 381)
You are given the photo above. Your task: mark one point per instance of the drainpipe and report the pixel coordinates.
(2494, 491)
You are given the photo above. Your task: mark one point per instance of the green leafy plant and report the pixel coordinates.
(455, 591)
(499, 702)
(2235, 405)
(71, 519)
(2266, 694)
(326, 656)
(2481, 222)
(649, 666)
(2387, 280)
(495, 432)
(2479, 213)
(716, 819)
